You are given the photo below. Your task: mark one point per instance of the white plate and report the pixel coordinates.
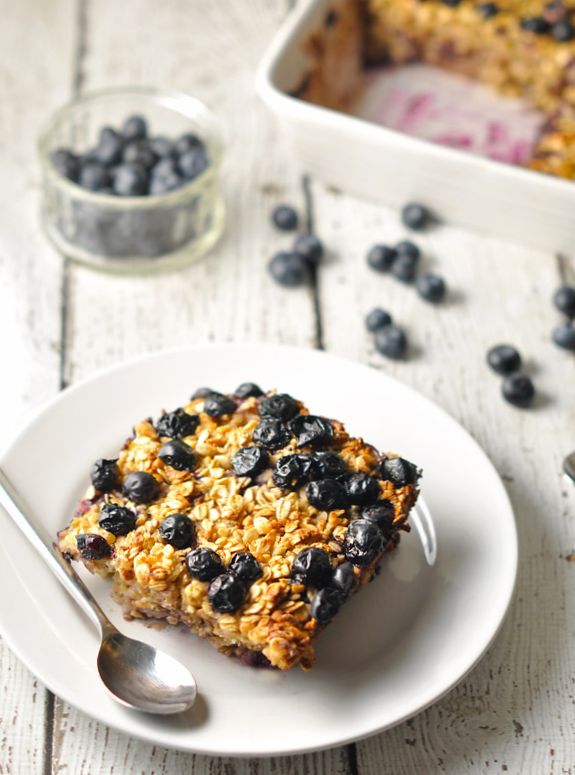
(393, 650)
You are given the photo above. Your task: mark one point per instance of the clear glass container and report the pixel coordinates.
(134, 234)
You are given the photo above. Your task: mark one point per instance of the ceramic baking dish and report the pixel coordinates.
(385, 165)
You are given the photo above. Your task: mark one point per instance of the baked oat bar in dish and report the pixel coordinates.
(243, 517)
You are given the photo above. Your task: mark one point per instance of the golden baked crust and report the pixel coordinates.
(231, 514)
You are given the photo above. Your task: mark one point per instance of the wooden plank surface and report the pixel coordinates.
(515, 711)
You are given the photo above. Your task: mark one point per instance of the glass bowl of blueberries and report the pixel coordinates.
(130, 180)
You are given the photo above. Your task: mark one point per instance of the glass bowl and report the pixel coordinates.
(133, 233)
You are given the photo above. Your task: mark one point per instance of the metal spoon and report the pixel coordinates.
(136, 675)
(569, 466)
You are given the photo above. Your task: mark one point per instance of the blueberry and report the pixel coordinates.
(289, 270)
(408, 248)
(192, 163)
(280, 405)
(66, 163)
(203, 392)
(104, 475)
(163, 184)
(188, 142)
(178, 455)
(139, 152)
(563, 31)
(250, 461)
(326, 494)
(431, 287)
(344, 578)
(203, 564)
(451, 3)
(391, 342)
(504, 359)
(271, 434)
(325, 604)
(381, 258)
(248, 390)
(217, 404)
(328, 465)
(564, 300)
(130, 180)
(227, 593)
(415, 216)
(285, 218)
(361, 489)
(292, 471)
(93, 546)
(140, 487)
(177, 424)
(382, 513)
(535, 24)
(398, 471)
(135, 128)
(518, 390)
(163, 147)
(165, 166)
(564, 336)
(310, 430)
(245, 565)
(404, 268)
(487, 10)
(309, 247)
(312, 568)
(109, 148)
(93, 176)
(178, 531)
(117, 520)
(376, 319)
(363, 542)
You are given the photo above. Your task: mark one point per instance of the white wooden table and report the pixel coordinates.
(515, 712)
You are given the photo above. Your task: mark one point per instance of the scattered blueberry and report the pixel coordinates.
(177, 424)
(188, 142)
(535, 24)
(285, 218)
(163, 147)
(192, 163)
(310, 430)
(227, 593)
(398, 471)
(248, 390)
(203, 392)
(289, 270)
(93, 546)
(250, 461)
(271, 434)
(116, 519)
(504, 359)
(130, 180)
(328, 465)
(404, 268)
(66, 163)
(381, 258)
(487, 10)
(178, 531)
(104, 475)
(110, 147)
(564, 300)
(376, 319)
(431, 287)
(312, 568)
(292, 471)
(382, 513)
(140, 487)
(204, 564)
(415, 216)
(309, 247)
(391, 342)
(518, 390)
(325, 604)
(326, 494)
(135, 128)
(408, 248)
(563, 31)
(245, 565)
(564, 336)
(280, 405)
(177, 454)
(363, 542)
(217, 404)
(139, 152)
(94, 176)
(361, 489)
(344, 578)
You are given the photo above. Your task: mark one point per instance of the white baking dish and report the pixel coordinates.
(390, 167)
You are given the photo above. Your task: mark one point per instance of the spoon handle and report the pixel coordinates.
(20, 513)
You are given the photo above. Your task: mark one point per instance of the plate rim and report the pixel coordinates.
(137, 732)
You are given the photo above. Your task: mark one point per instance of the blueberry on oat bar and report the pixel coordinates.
(177, 424)
(116, 519)
(178, 455)
(310, 430)
(227, 593)
(271, 434)
(204, 564)
(93, 547)
(250, 461)
(104, 475)
(312, 568)
(178, 530)
(140, 487)
(245, 565)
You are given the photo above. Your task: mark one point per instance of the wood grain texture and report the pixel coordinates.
(30, 285)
